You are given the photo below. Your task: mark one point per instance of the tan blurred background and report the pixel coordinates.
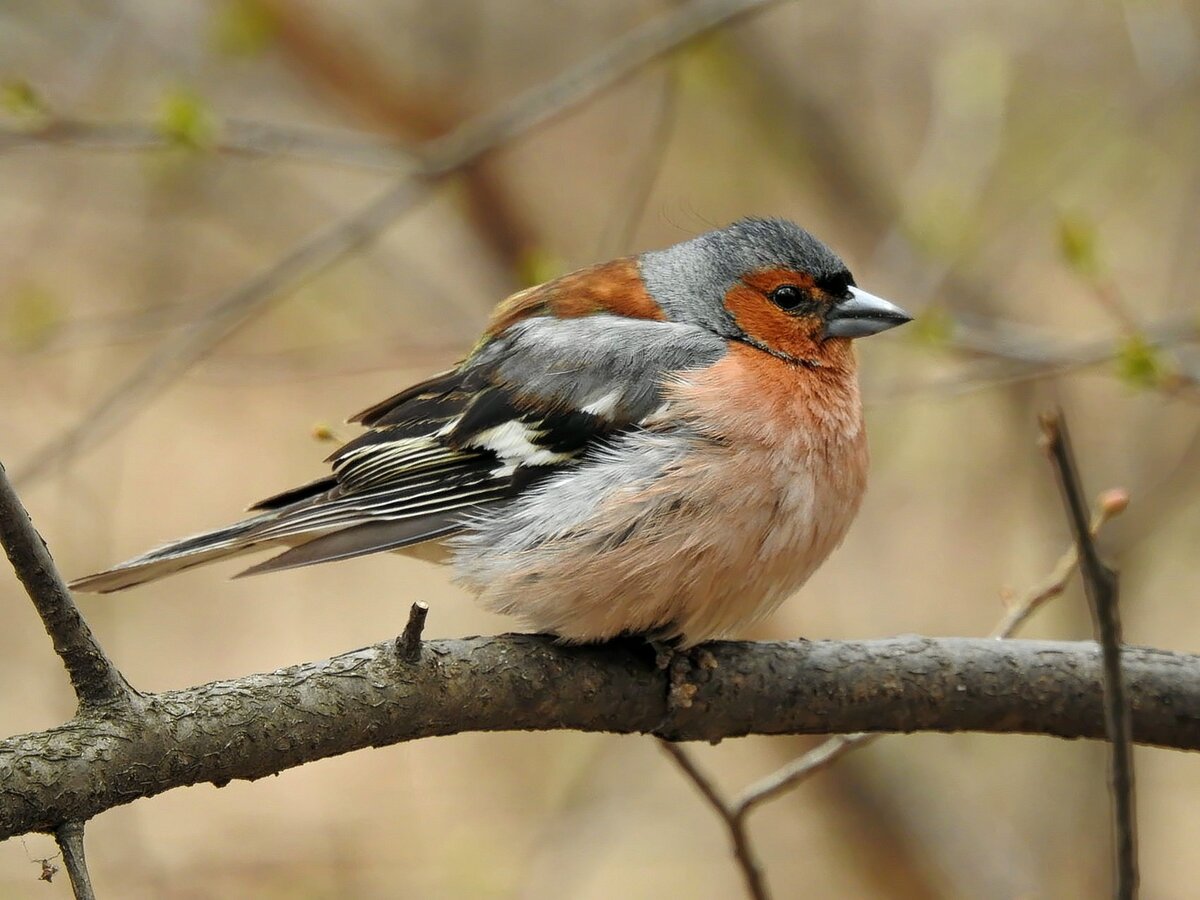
(1025, 175)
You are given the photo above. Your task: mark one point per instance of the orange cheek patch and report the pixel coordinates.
(758, 317)
(614, 287)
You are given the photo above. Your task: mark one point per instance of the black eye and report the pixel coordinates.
(787, 296)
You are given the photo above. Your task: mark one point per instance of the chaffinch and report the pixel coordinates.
(666, 445)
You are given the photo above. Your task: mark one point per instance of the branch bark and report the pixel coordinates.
(70, 842)
(1101, 585)
(261, 724)
(93, 676)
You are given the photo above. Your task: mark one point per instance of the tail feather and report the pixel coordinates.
(233, 540)
(359, 540)
(391, 498)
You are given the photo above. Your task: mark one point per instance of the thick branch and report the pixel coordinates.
(261, 724)
(95, 679)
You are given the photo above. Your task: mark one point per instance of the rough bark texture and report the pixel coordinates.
(95, 679)
(261, 724)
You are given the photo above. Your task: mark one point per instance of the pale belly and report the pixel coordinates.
(650, 541)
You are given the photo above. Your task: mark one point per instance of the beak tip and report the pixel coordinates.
(863, 314)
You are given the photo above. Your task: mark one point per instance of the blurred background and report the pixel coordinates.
(1024, 175)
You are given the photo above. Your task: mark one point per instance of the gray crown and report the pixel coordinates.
(690, 280)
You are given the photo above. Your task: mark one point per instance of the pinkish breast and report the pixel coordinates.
(735, 524)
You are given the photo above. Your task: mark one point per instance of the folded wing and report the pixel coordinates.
(533, 399)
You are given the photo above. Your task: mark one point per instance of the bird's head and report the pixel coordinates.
(770, 284)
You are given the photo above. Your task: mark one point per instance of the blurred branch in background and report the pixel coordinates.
(743, 849)
(233, 137)
(438, 158)
(1015, 353)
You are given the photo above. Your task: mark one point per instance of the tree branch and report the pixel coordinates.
(93, 676)
(408, 644)
(70, 841)
(234, 137)
(734, 819)
(1008, 353)
(1100, 585)
(261, 724)
(438, 158)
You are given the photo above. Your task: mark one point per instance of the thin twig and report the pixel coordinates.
(815, 760)
(233, 137)
(408, 644)
(612, 64)
(1010, 354)
(179, 351)
(734, 820)
(70, 841)
(1101, 585)
(1040, 348)
(1112, 503)
(1020, 353)
(439, 157)
(630, 208)
(93, 676)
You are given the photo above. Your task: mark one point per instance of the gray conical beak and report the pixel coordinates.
(862, 314)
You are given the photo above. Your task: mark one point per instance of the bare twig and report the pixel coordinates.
(735, 824)
(631, 202)
(1038, 348)
(93, 676)
(611, 65)
(233, 137)
(408, 645)
(179, 352)
(439, 157)
(1101, 586)
(1011, 353)
(1112, 503)
(824, 755)
(70, 841)
(815, 760)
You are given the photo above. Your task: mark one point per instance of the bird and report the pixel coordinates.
(665, 445)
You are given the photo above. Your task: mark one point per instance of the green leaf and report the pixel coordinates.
(934, 326)
(186, 120)
(1077, 242)
(18, 98)
(1139, 364)
(32, 314)
(243, 27)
